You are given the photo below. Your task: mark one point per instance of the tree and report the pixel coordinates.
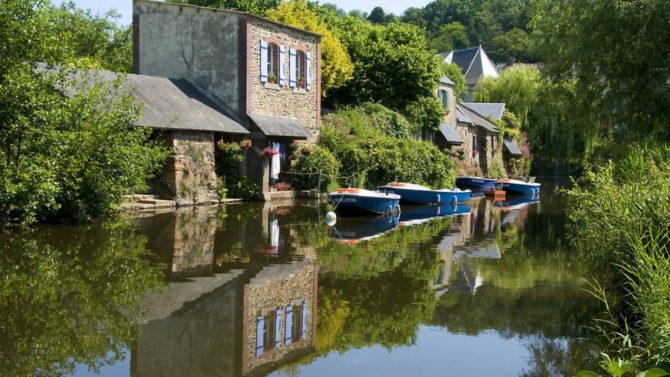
(393, 67)
(456, 75)
(336, 65)
(257, 7)
(452, 36)
(514, 45)
(617, 51)
(67, 152)
(516, 87)
(377, 15)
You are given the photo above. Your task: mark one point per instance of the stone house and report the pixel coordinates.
(480, 143)
(261, 74)
(474, 63)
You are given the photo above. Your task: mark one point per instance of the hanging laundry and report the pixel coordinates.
(275, 163)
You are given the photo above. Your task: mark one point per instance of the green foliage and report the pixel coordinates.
(392, 66)
(516, 87)
(627, 87)
(257, 7)
(619, 218)
(372, 152)
(71, 296)
(451, 36)
(242, 187)
(514, 44)
(456, 75)
(336, 65)
(314, 159)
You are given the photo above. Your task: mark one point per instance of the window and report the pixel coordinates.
(273, 63)
(443, 95)
(300, 69)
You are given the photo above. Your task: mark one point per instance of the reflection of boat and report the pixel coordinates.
(518, 201)
(413, 193)
(412, 215)
(355, 229)
(359, 201)
(475, 183)
(520, 187)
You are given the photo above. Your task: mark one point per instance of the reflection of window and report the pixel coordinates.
(297, 323)
(269, 331)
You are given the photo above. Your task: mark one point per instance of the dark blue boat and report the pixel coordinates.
(475, 183)
(412, 193)
(353, 230)
(359, 202)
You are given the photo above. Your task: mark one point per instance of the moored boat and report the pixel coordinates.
(413, 193)
(358, 201)
(475, 183)
(520, 187)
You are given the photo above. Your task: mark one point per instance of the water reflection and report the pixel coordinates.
(257, 289)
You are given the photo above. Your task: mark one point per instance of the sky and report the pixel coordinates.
(124, 7)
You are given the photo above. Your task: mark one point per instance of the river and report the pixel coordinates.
(486, 289)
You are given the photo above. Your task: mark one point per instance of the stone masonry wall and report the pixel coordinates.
(190, 173)
(284, 101)
(469, 165)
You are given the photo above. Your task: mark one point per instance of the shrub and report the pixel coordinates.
(242, 187)
(310, 160)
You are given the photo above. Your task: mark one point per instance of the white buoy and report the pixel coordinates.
(331, 218)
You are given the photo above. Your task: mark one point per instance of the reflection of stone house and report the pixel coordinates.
(474, 64)
(264, 76)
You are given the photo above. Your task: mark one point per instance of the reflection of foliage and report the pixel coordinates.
(558, 357)
(71, 298)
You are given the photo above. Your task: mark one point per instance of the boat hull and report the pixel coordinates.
(522, 188)
(475, 183)
(410, 195)
(353, 204)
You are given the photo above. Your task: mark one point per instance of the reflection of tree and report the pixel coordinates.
(561, 357)
(69, 296)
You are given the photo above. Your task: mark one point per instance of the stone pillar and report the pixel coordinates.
(192, 176)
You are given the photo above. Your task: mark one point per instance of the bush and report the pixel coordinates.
(242, 187)
(310, 160)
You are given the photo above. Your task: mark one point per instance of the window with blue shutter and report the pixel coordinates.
(291, 67)
(260, 326)
(264, 61)
(282, 68)
(309, 71)
(289, 325)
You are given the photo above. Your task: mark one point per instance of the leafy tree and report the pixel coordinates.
(392, 67)
(258, 7)
(617, 51)
(456, 75)
(336, 66)
(377, 15)
(452, 36)
(516, 87)
(339, 12)
(515, 44)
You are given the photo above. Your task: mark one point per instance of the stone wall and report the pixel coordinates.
(278, 286)
(273, 99)
(470, 164)
(450, 116)
(190, 173)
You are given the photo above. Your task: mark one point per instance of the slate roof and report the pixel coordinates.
(476, 118)
(172, 104)
(446, 80)
(493, 110)
(512, 148)
(280, 126)
(450, 134)
(473, 61)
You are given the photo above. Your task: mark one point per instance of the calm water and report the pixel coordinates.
(487, 289)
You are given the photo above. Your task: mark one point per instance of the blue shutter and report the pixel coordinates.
(282, 67)
(264, 61)
(260, 323)
(308, 72)
(278, 328)
(289, 325)
(304, 319)
(291, 67)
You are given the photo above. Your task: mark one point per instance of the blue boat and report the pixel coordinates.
(520, 187)
(353, 230)
(354, 201)
(413, 215)
(412, 193)
(475, 183)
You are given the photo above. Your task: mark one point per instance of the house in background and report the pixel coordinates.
(474, 63)
(445, 136)
(480, 142)
(260, 74)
